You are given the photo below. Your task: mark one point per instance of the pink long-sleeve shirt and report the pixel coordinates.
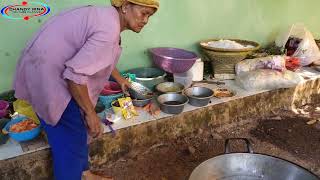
(81, 45)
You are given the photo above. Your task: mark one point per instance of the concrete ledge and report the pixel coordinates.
(209, 117)
(37, 165)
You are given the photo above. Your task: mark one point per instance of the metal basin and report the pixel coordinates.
(172, 103)
(141, 103)
(149, 77)
(199, 96)
(169, 87)
(249, 166)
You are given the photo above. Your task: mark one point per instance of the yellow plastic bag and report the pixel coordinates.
(24, 108)
(127, 107)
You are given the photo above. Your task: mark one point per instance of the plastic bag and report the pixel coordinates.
(270, 62)
(266, 79)
(127, 108)
(24, 108)
(299, 43)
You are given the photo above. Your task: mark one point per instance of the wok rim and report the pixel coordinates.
(257, 154)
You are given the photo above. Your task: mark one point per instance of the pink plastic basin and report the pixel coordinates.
(111, 88)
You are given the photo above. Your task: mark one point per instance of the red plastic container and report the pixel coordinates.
(111, 88)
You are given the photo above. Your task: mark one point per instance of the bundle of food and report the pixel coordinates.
(270, 62)
(268, 79)
(299, 42)
(22, 126)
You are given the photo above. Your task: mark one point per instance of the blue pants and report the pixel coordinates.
(68, 142)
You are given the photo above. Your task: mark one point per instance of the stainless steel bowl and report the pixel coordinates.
(138, 91)
(169, 87)
(199, 96)
(141, 103)
(172, 103)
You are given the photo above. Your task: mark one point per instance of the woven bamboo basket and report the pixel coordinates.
(224, 60)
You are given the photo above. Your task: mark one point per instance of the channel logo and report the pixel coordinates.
(25, 10)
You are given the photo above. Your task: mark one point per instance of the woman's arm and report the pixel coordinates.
(80, 94)
(125, 84)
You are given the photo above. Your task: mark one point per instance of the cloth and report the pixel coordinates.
(82, 45)
(68, 142)
(147, 3)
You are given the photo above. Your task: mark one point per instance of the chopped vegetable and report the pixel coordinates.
(152, 108)
(22, 126)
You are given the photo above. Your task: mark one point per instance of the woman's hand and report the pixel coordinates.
(124, 83)
(95, 128)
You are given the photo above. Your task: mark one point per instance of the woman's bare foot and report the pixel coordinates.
(88, 175)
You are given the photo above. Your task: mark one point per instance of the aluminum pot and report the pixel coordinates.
(172, 103)
(249, 166)
(199, 96)
(149, 77)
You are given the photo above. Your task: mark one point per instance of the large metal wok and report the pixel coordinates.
(249, 166)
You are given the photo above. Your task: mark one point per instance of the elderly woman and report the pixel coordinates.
(64, 68)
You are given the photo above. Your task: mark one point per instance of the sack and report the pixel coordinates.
(266, 79)
(270, 62)
(24, 108)
(299, 43)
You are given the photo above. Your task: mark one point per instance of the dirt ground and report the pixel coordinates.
(286, 134)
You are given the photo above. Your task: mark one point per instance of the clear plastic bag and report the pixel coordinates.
(307, 50)
(270, 62)
(266, 79)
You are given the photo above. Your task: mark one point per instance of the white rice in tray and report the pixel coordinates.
(228, 44)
